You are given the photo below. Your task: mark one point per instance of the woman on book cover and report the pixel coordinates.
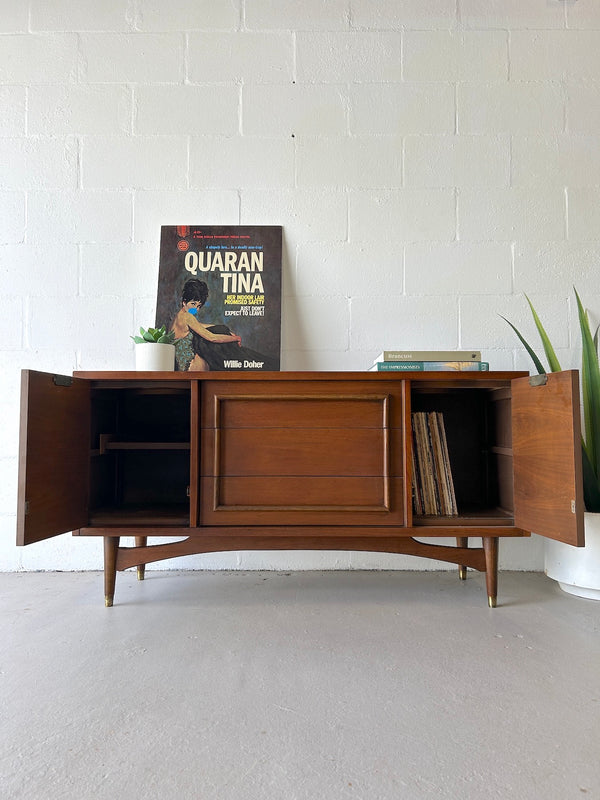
(201, 346)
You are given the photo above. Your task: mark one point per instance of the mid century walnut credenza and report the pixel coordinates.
(294, 460)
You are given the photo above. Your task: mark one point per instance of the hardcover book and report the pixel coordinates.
(429, 355)
(432, 366)
(219, 291)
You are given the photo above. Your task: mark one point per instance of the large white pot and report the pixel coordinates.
(577, 569)
(154, 357)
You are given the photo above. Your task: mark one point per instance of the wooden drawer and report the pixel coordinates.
(295, 452)
(301, 457)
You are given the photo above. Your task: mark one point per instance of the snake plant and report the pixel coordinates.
(590, 388)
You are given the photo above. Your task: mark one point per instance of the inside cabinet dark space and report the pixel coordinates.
(477, 426)
(140, 455)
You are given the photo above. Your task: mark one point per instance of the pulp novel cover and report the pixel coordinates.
(219, 291)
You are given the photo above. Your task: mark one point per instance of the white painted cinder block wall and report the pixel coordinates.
(430, 161)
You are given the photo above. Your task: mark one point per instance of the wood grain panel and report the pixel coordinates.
(302, 412)
(300, 404)
(302, 501)
(53, 456)
(281, 451)
(275, 458)
(546, 436)
(303, 492)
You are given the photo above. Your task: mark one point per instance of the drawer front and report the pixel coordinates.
(301, 457)
(328, 452)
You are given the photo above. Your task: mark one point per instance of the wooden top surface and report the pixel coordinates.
(254, 375)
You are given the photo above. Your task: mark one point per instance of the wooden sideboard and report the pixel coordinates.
(294, 460)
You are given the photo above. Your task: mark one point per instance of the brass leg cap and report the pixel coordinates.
(462, 573)
(108, 601)
(140, 573)
(491, 602)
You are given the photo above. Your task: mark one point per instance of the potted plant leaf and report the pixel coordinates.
(154, 350)
(576, 569)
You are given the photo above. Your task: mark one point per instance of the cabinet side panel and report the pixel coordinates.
(501, 457)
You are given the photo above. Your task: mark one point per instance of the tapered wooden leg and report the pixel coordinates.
(490, 548)
(111, 546)
(141, 541)
(462, 541)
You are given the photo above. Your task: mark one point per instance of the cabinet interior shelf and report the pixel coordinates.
(144, 515)
(147, 446)
(468, 518)
(107, 444)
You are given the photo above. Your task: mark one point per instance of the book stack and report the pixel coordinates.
(432, 484)
(434, 360)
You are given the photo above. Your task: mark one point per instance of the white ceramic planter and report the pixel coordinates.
(577, 569)
(154, 357)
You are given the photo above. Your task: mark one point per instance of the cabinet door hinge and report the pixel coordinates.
(63, 380)
(27, 506)
(538, 380)
(573, 511)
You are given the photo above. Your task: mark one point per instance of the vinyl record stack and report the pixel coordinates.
(432, 484)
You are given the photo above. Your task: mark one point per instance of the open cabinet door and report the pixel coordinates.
(53, 456)
(546, 430)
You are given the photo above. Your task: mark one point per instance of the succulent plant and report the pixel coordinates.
(155, 336)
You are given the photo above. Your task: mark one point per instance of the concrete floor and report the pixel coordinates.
(297, 686)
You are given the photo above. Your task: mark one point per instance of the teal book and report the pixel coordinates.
(430, 366)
